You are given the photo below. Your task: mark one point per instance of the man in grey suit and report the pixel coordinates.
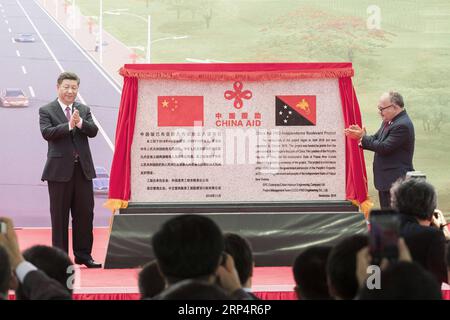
(69, 170)
(393, 144)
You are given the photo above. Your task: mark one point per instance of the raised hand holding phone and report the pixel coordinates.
(384, 235)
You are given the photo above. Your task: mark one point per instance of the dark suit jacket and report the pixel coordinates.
(394, 148)
(61, 141)
(427, 246)
(38, 286)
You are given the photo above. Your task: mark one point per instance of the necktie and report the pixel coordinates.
(75, 153)
(68, 113)
(385, 129)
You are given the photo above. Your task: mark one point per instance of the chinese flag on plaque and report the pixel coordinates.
(180, 111)
(295, 110)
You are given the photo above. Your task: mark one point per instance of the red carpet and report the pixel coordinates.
(269, 283)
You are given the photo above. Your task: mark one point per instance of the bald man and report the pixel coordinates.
(393, 144)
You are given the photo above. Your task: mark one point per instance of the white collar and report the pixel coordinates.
(64, 106)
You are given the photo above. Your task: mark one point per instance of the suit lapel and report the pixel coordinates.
(387, 128)
(58, 112)
(383, 131)
(386, 131)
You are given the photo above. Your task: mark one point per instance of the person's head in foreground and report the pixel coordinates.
(341, 267)
(310, 273)
(403, 281)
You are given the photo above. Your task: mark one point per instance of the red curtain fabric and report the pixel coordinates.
(355, 167)
(237, 71)
(120, 179)
(120, 189)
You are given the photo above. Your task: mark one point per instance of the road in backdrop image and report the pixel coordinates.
(34, 67)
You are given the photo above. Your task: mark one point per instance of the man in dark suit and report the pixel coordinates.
(69, 170)
(393, 144)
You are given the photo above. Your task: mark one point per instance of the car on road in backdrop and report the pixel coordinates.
(13, 97)
(101, 182)
(24, 37)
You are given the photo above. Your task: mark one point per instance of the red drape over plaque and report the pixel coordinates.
(120, 188)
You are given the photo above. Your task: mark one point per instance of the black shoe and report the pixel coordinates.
(88, 263)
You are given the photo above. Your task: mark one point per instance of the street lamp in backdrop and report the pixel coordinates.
(147, 20)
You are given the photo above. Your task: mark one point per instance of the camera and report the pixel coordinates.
(383, 235)
(416, 175)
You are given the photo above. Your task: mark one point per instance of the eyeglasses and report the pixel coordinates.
(381, 109)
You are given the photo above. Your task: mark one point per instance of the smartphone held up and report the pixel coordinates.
(383, 235)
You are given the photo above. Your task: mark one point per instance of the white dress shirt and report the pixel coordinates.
(23, 269)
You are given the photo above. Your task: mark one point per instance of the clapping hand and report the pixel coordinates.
(355, 132)
(76, 117)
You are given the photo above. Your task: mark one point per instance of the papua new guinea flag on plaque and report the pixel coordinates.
(295, 110)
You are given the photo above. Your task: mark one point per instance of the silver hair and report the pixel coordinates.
(396, 98)
(414, 196)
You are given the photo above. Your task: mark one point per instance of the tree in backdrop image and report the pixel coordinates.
(429, 85)
(318, 35)
(203, 10)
